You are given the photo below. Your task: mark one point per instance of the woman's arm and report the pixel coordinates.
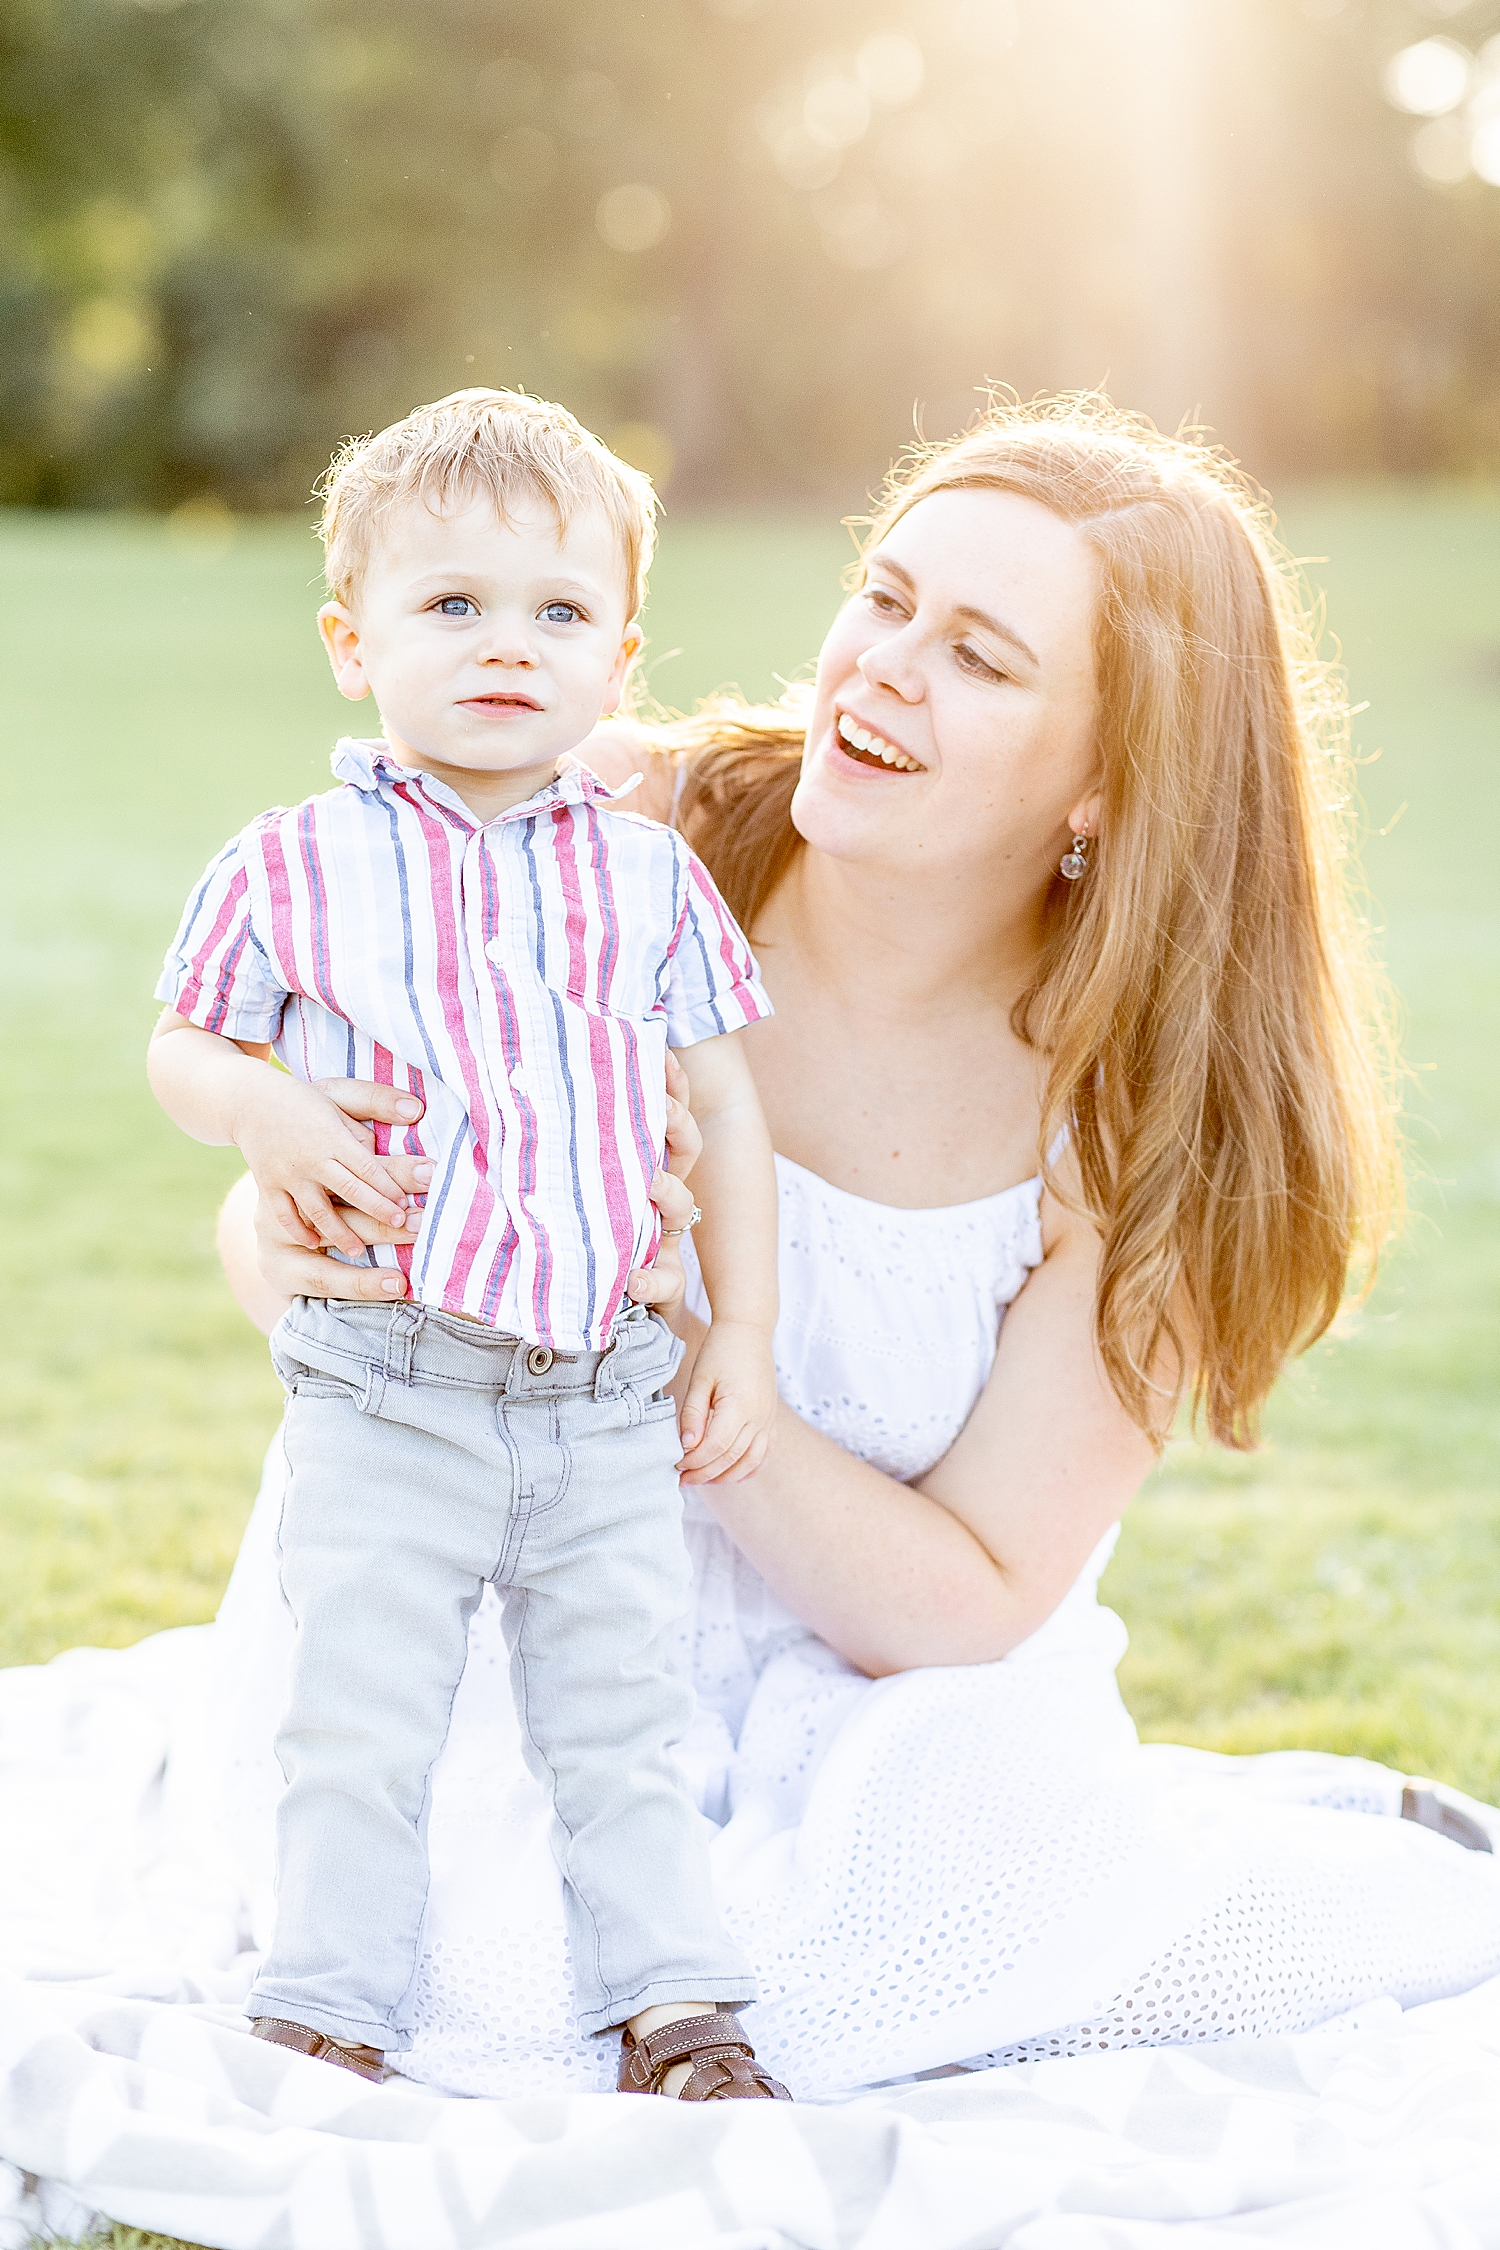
(957, 1569)
(265, 1269)
(311, 1158)
(966, 1564)
(238, 1255)
(730, 1407)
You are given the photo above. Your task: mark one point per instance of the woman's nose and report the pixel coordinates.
(893, 662)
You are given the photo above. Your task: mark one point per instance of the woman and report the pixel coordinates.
(1072, 1035)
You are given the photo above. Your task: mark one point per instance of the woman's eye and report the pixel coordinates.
(972, 661)
(561, 613)
(880, 600)
(456, 605)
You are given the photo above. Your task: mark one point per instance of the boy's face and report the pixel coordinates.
(490, 647)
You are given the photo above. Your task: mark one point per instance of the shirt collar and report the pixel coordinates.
(365, 763)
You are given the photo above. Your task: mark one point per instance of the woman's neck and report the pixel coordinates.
(892, 1067)
(877, 933)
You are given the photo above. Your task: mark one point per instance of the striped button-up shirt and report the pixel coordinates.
(524, 976)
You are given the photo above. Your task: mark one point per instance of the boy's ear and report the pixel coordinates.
(341, 639)
(629, 649)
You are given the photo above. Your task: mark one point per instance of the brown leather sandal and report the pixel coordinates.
(365, 2062)
(723, 2060)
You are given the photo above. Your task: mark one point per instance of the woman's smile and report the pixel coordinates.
(868, 748)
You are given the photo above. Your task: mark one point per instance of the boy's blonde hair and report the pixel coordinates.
(480, 444)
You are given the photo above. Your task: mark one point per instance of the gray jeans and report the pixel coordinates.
(427, 1456)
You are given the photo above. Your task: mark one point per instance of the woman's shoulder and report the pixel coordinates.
(618, 750)
(739, 766)
(724, 778)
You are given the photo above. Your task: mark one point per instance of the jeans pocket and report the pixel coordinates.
(311, 1382)
(649, 1353)
(301, 1378)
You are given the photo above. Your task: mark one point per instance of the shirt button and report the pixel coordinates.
(518, 1079)
(538, 1359)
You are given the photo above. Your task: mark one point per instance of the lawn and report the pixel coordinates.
(1338, 1588)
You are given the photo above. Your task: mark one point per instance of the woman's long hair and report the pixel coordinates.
(1205, 997)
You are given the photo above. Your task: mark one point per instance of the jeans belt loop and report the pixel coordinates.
(400, 1336)
(606, 1381)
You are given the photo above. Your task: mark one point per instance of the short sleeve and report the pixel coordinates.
(713, 984)
(217, 975)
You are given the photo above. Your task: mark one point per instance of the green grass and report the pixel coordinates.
(1341, 1588)
(1337, 1589)
(109, 2236)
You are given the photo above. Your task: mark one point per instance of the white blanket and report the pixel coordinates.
(1383, 2134)
(129, 2084)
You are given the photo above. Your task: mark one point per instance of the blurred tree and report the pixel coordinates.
(743, 238)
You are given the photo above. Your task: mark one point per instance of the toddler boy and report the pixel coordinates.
(463, 919)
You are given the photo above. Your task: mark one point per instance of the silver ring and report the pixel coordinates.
(670, 1234)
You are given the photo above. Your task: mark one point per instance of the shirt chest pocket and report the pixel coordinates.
(582, 926)
(600, 973)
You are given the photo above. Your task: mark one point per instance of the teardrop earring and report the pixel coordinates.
(1075, 863)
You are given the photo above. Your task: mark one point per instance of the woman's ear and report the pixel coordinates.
(1084, 818)
(341, 639)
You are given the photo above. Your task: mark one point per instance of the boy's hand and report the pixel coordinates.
(730, 1407)
(304, 1151)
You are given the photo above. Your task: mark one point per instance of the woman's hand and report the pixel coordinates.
(663, 1284)
(266, 1269)
(314, 1160)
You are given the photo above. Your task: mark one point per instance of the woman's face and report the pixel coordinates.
(954, 715)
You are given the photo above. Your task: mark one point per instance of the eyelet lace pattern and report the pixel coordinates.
(975, 1862)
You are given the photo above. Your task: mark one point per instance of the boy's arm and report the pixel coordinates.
(300, 1146)
(731, 1399)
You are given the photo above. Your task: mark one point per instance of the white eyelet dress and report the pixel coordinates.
(959, 1863)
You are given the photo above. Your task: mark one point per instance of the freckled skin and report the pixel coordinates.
(934, 880)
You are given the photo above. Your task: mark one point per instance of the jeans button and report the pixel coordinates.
(538, 1359)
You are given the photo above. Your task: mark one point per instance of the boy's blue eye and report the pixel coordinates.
(560, 613)
(455, 605)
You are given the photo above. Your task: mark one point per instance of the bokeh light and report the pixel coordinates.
(633, 217)
(109, 339)
(1428, 78)
(835, 111)
(767, 234)
(1440, 151)
(1485, 152)
(891, 68)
